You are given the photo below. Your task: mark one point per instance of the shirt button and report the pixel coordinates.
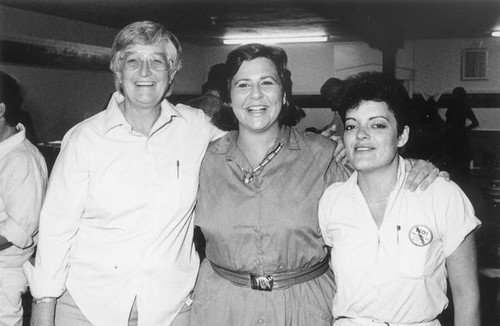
(260, 321)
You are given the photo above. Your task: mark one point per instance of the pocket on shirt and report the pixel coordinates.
(182, 181)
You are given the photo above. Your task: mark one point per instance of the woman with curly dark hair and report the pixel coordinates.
(259, 190)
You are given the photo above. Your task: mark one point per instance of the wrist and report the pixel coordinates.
(44, 300)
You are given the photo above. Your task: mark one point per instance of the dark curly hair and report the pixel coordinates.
(290, 114)
(375, 86)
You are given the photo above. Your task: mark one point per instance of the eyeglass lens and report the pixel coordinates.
(157, 61)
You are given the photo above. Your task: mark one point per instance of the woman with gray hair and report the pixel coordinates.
(116, 227)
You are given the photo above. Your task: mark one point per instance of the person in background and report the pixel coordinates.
(426, 134)
(459, 120)
(330, 93)
(116, 229)
(23, 178)
(210, 102)
(392, 249)
(257, 205)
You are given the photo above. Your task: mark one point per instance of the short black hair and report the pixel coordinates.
(216, 79)
(290, 114)
(11, 96)
(330, 90)
(377, 87)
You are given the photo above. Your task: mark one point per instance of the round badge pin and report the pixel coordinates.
(420, 235)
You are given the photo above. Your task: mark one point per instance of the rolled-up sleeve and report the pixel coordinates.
(60, 216)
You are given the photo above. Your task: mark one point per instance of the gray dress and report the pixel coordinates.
(267, 226)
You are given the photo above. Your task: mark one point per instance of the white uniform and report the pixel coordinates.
(117, 223)
(395, 273)
(23, 178)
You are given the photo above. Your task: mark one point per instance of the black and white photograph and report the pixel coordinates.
(249, 162)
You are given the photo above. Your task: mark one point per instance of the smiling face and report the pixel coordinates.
(144, 86)
(371, 138)
(257, 95)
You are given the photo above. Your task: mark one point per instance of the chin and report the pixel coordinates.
(364, 165)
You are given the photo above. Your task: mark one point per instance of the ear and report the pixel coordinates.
(118, 77)
(403, 139)
(172, 76)
(2, 109)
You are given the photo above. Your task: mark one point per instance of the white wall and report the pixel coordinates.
(437, 65)
(193, 72)
(57, 98)
(311, 64)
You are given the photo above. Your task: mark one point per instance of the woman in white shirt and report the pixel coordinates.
(116, 227)
(393, 249)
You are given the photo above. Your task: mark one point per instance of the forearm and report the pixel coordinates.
(463, 277)
(467, 311)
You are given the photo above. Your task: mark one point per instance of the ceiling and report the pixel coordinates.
(382, 23)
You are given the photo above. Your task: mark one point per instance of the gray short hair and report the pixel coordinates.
(147, 33)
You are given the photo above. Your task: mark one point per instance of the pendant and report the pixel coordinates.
(247, 177)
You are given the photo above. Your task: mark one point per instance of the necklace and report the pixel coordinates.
(248, 175)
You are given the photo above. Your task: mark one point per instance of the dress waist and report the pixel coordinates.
(268, 282)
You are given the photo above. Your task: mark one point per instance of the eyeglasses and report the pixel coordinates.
(156, 61)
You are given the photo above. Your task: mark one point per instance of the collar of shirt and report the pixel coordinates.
(14, 140)
(401, 178)
(114, 117)
(227, 144)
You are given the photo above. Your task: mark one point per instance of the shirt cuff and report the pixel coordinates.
(454, 240)
(43, 286)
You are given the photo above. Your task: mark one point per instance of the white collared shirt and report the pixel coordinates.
(117, 222)
(23, 178)
(396, 272)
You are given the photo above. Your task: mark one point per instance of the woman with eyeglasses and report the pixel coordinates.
(116, 227)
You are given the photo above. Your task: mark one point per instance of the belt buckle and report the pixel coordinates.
(261, 282)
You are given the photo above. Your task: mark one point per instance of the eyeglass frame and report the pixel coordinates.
(148, 58)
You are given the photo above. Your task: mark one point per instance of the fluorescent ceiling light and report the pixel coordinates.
(495, 33)
(275, 39)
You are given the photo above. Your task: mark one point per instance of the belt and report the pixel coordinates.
(268, 282)
(371, 322)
